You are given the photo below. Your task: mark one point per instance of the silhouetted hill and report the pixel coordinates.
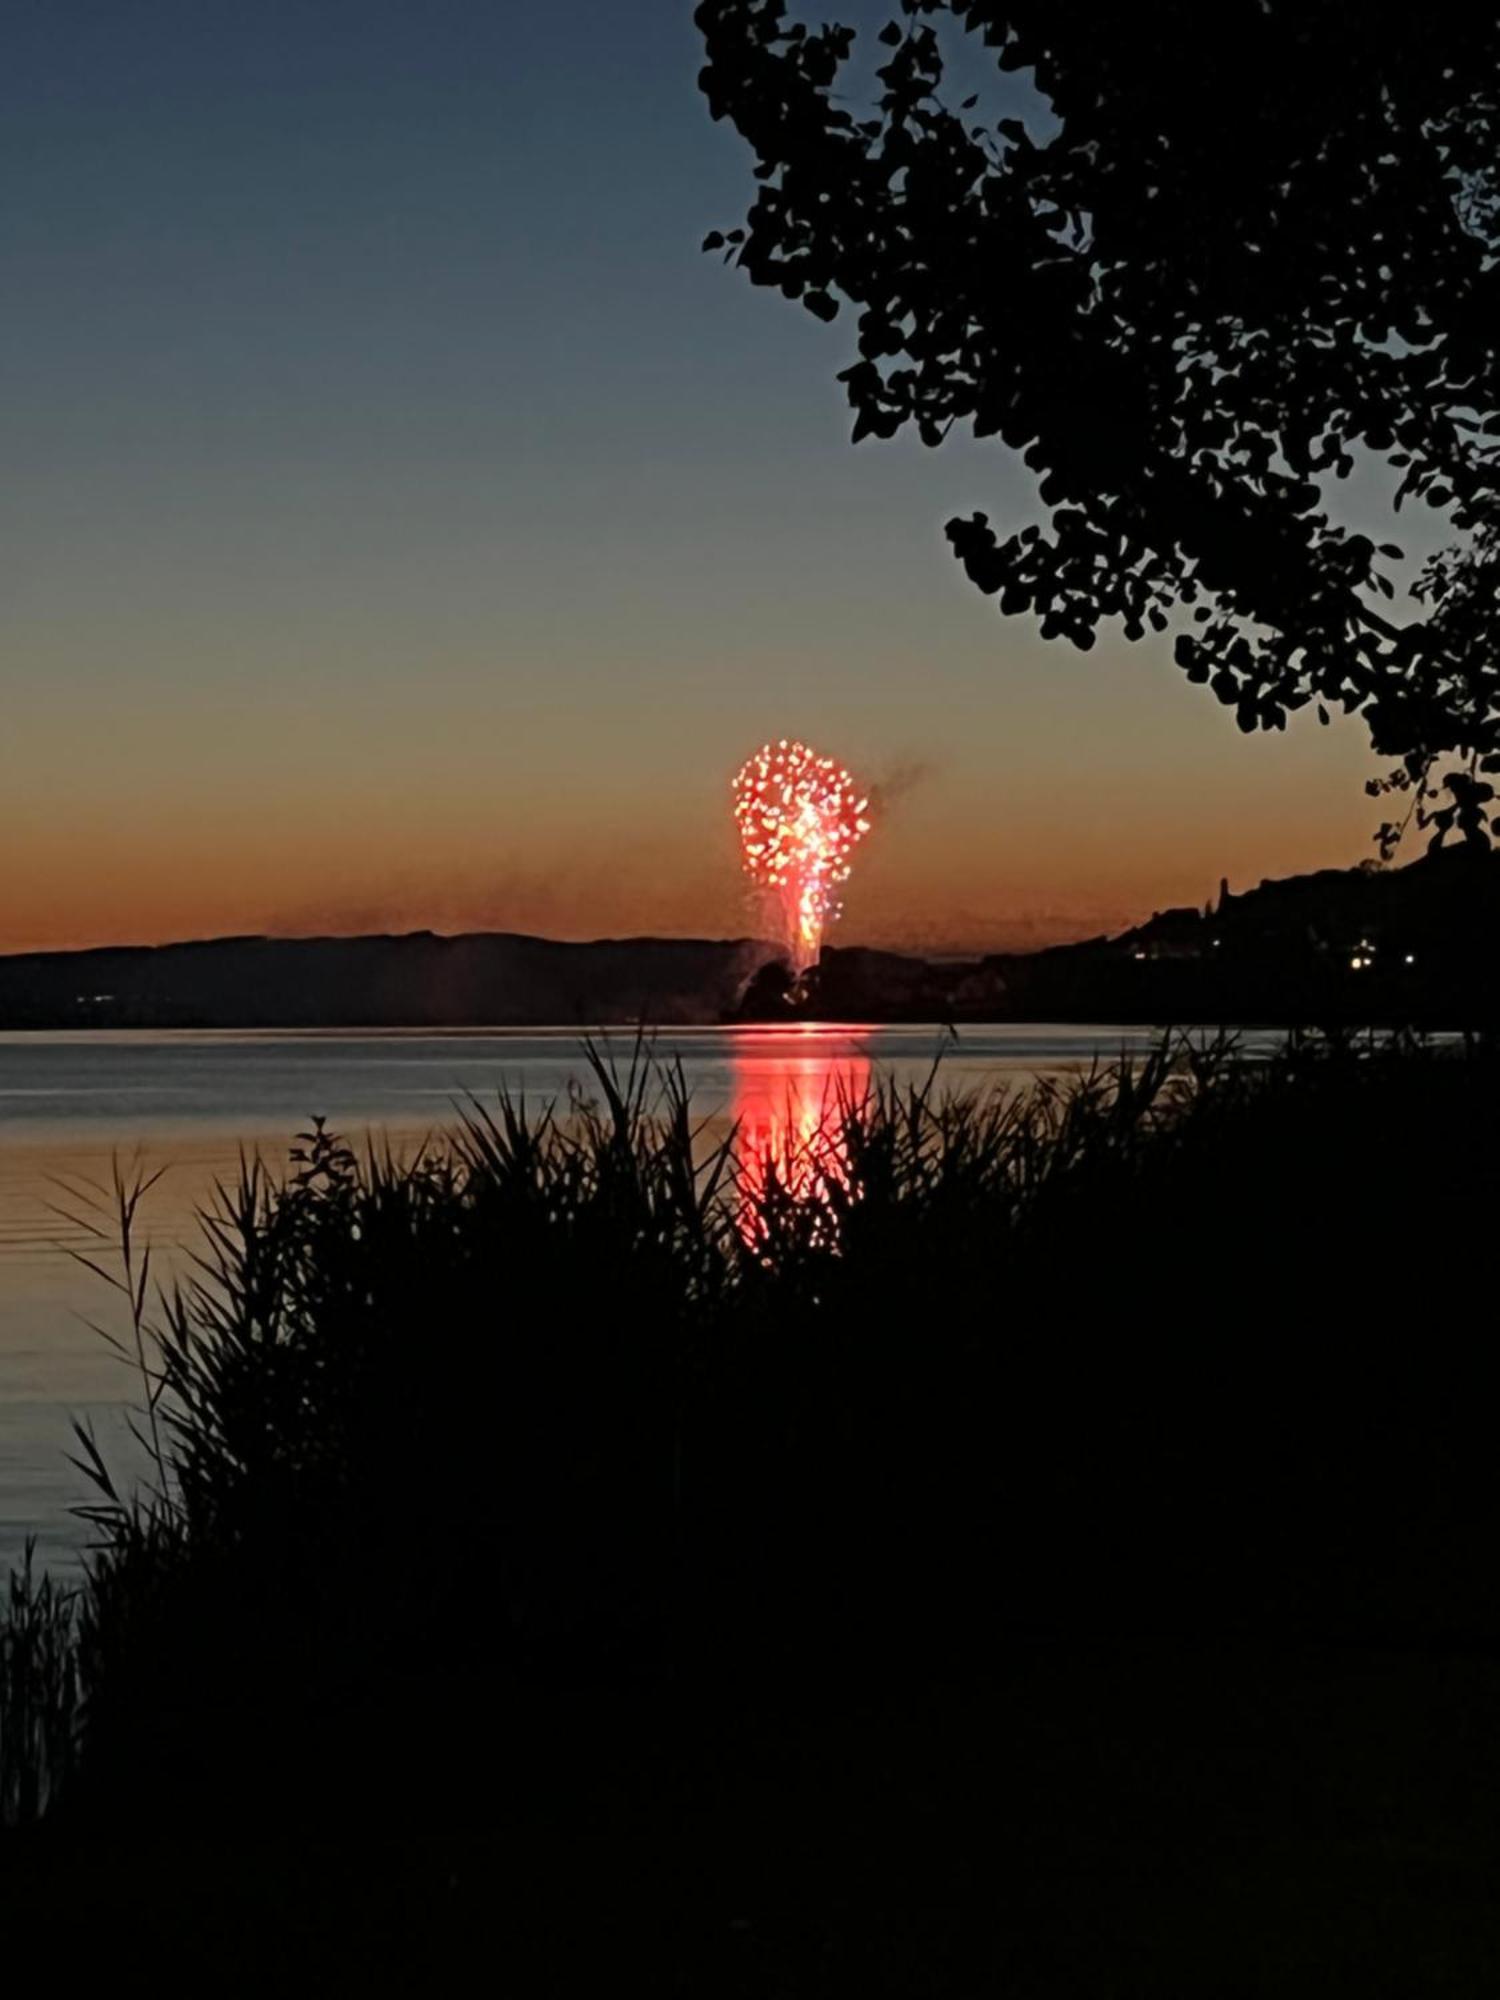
(420, 980)
(1414, 944)
(1362, 944)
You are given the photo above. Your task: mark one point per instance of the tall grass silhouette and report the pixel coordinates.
(579, 1405)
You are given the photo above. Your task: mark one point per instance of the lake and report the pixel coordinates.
(71, 1104)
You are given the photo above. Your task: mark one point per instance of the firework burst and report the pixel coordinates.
(800, 817)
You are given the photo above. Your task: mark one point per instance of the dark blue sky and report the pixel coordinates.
(404, 522)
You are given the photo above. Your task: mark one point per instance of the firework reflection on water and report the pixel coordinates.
(790, 1089)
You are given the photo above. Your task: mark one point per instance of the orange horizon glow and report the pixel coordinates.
(961, 865)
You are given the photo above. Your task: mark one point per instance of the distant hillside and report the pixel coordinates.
(1362, 944)
(419, 981)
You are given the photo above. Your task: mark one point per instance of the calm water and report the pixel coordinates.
(72, 1103)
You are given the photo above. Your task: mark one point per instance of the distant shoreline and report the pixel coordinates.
(1418, 945)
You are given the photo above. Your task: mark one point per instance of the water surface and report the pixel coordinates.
(73, 1104)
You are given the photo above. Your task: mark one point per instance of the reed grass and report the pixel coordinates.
(587, 1397)
(39, 1709)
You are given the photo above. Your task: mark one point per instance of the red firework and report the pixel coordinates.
(800, 818)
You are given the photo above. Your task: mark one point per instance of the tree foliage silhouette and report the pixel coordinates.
(1230, 251)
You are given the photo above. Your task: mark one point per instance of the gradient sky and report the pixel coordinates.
(406, 525)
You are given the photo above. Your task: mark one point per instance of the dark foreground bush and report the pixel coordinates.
(459, 1460)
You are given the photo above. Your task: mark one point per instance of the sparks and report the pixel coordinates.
(800, 817)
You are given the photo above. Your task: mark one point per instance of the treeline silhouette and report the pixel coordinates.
(575, 1452)
(1394, 946)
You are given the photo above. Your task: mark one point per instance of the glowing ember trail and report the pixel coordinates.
(800, 818)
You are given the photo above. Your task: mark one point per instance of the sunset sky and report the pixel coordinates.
(405, 525)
